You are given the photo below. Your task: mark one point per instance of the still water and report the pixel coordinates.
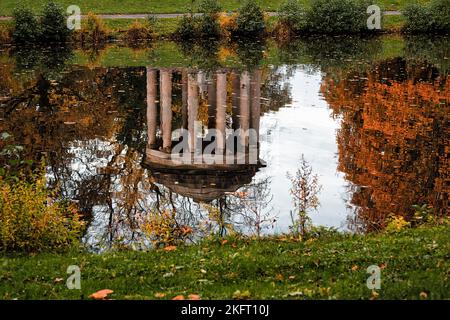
(371, 116)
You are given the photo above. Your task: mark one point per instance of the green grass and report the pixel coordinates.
(166, 6)
(414, 261)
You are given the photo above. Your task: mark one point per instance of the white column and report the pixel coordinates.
(221, 110)
(166, 109)
(151, 107)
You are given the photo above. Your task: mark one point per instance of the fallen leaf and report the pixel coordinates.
(180, 297)
(194, 297)
(355, 267)
(224, 242)
(160, 295)
(170, 248)
(279, 277)
(101, 295)
(423, 295)
(57, 280)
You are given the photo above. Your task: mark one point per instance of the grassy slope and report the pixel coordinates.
(414, 261)
(166, 6)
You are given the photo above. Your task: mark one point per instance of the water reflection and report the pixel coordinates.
(394, 138)
(205, 101)
(375, 129)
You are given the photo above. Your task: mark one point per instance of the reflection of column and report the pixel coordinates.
(255, 93)
(212, 102)
(192, 109)
(221, 110)
(166, 109)
(151, 107)
(235, 82)
(245, 107)
(184, 99)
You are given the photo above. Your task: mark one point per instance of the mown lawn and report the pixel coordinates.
(166, 6)
(414, 264)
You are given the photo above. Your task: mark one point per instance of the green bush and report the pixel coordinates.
(54, 23)
(26, 26)
(434, 16)
(187, 28)
(337, 16)
(440, 10)
(208, 23)
(292, 15)
(250, 20)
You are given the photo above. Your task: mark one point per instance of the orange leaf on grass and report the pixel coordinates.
(170, 248)
(194, 297)
(180, 297)
(101, 295)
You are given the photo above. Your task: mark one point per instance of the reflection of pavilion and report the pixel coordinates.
(204, 180)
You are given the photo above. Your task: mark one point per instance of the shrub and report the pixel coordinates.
(337, 16)
(292, 16)
(250, 20)
(418, 18)
(5, 34)
(208, 23)
(228, 24)
(94, 30)
(26, 27)
(305, 194)
(31, 220)
(138, 31)
(54, 24)
(426, 18)
(163, 229)
(440, 10)
(187, 28)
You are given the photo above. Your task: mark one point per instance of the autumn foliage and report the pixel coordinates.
(393, 142)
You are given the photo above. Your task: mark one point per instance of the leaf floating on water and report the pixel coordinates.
(101, 295)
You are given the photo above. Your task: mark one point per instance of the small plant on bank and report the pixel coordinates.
(337, 16)
(54, 24)
(291, 18)
(94, 30)
(138, 32)
(26, 26)
(305, 190)
(250, 20)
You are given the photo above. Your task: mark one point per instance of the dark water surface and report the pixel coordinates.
(370, 115)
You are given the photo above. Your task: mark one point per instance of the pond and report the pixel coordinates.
(370, 115)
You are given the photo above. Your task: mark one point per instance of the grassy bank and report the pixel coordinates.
(167, 6)
(414, 264)
(165, 28)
